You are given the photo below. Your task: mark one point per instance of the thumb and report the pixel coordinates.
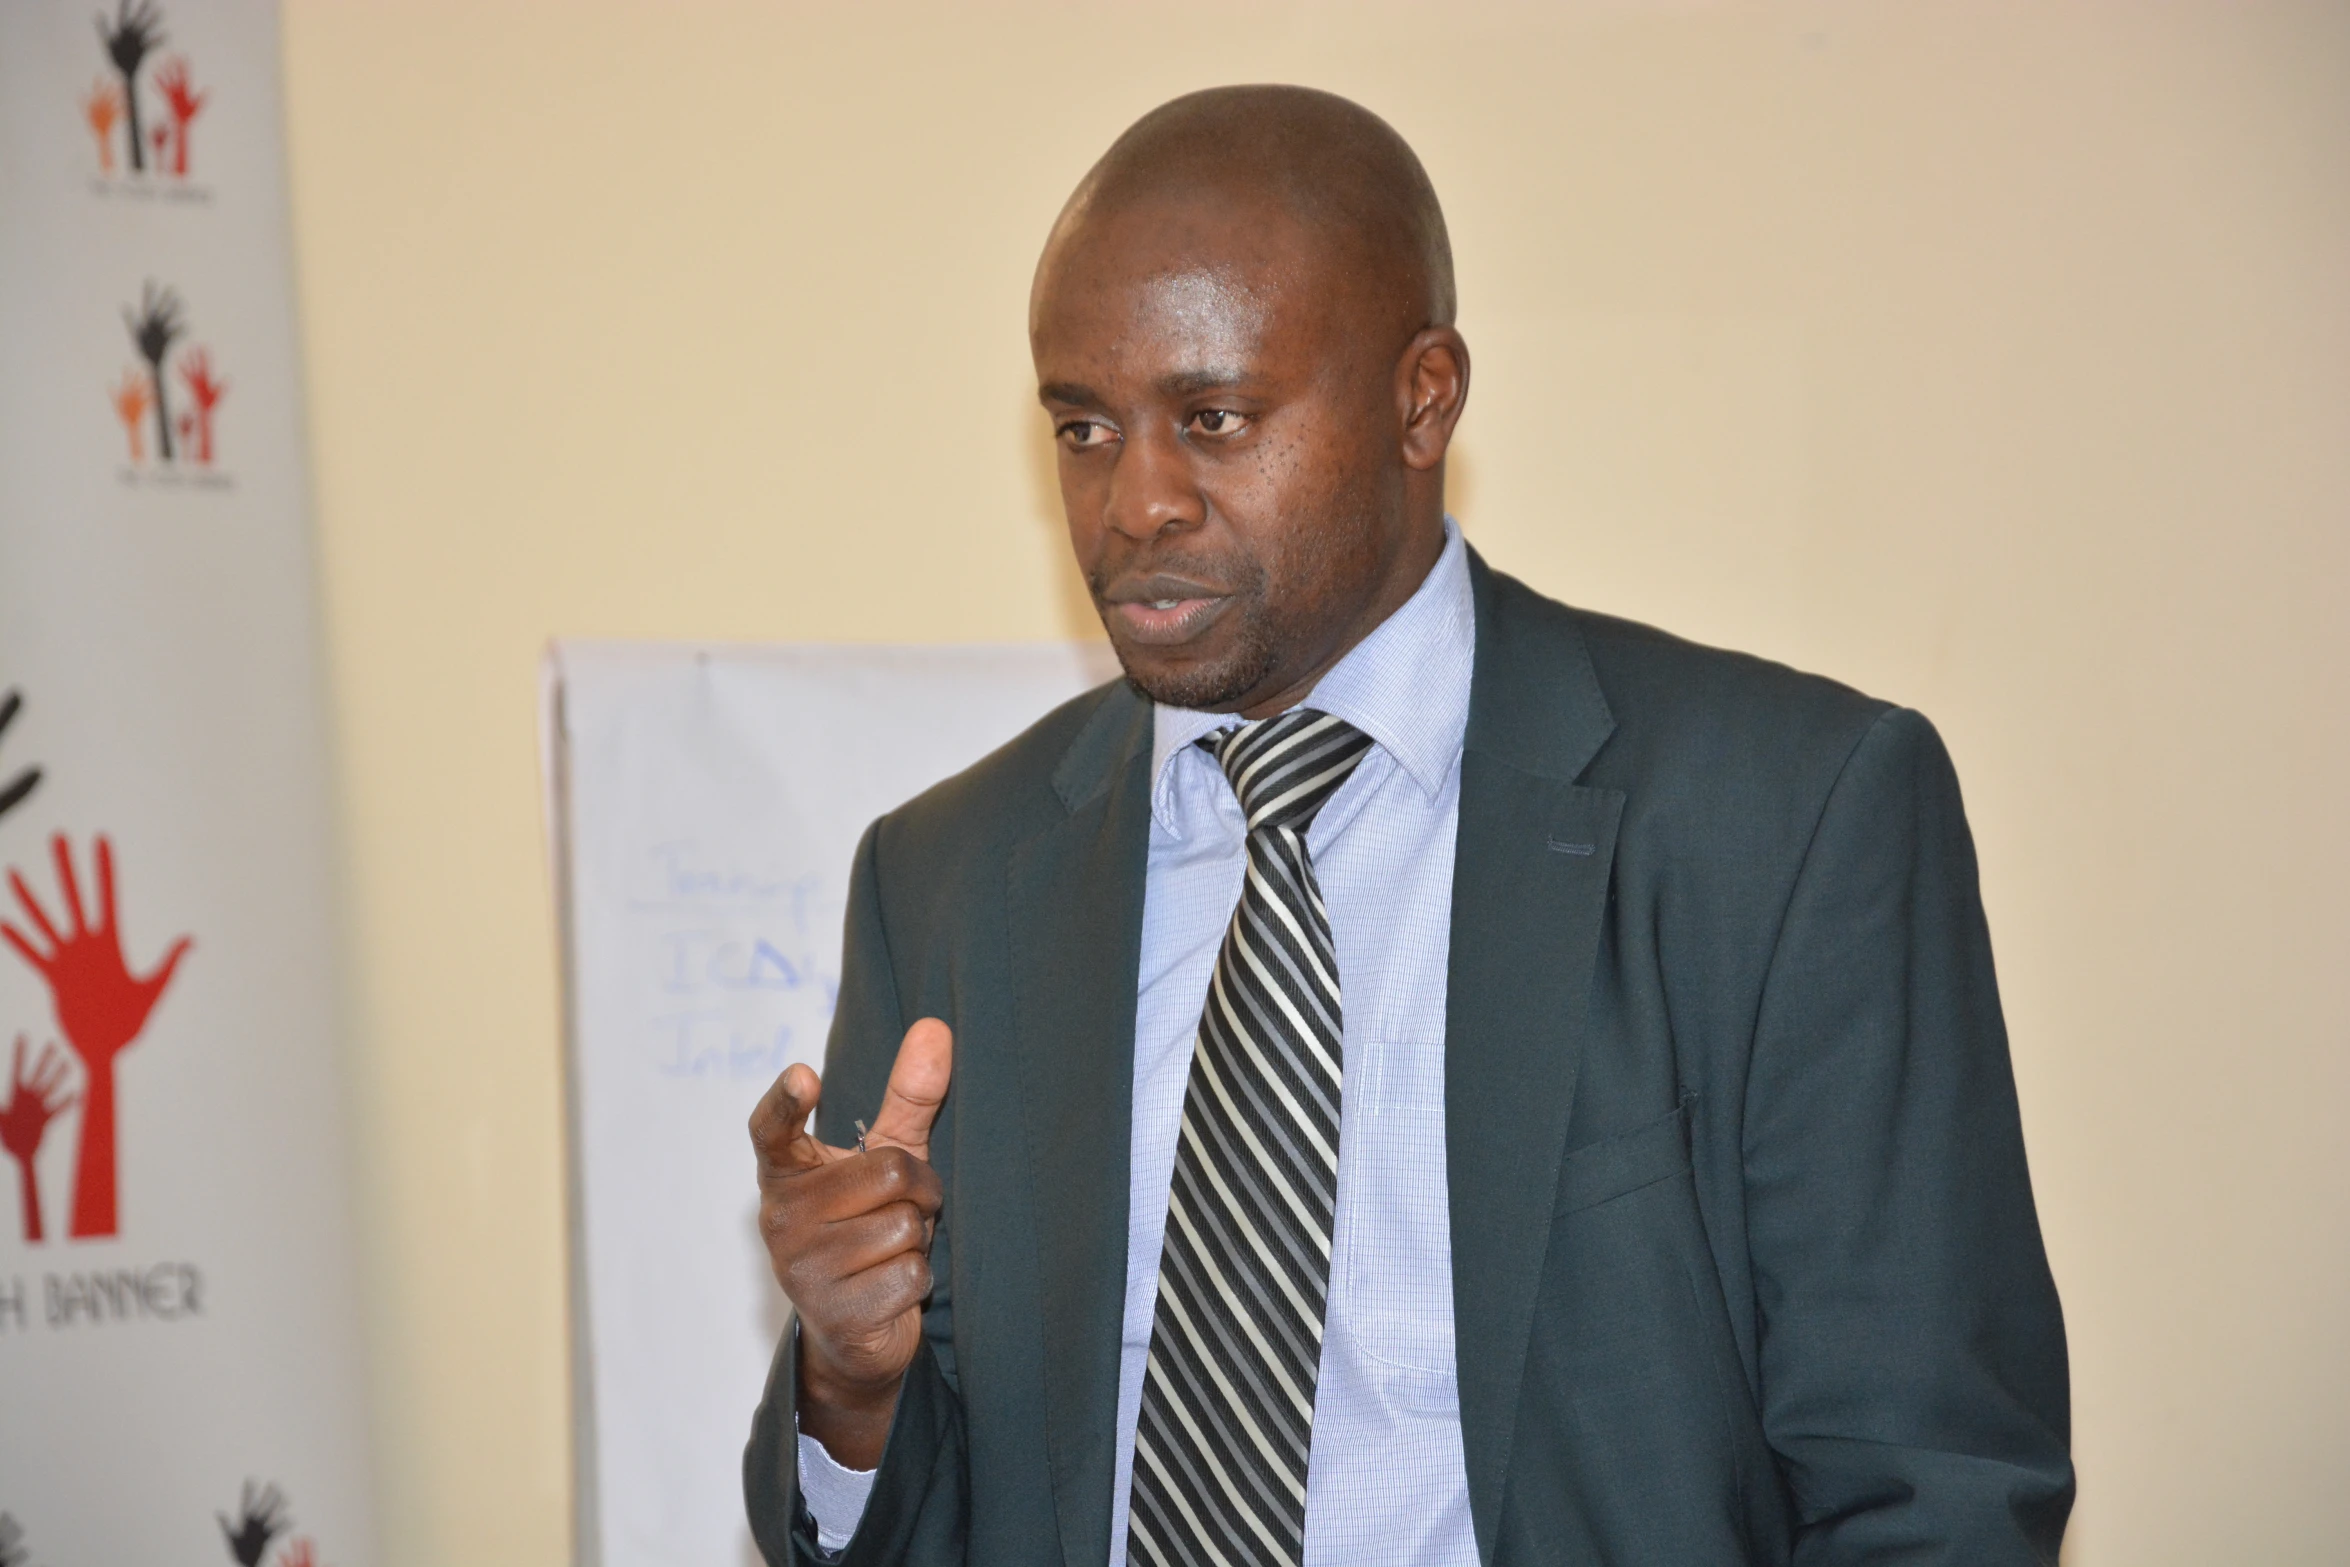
(917, 1087)
(152, 986)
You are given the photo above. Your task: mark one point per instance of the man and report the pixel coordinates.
(1436, 1076)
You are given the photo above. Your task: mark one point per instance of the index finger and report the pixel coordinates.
(779, 1124)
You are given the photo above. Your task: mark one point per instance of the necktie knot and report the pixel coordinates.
(1286, 768)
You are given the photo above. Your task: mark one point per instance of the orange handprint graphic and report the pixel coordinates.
(130, 406)
(101, 1006)
(103, 109)
(24, 1120)
(206, 390)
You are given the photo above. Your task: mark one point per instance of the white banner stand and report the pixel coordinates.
(180, 1367)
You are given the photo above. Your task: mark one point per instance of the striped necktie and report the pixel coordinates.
(1236, 1339)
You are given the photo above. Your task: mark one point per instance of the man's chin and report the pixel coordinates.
(1209, 685)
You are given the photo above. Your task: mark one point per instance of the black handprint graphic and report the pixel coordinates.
(261, 1518)
(154, 329)
(134, 34)
(12, 1547)
(13, 790)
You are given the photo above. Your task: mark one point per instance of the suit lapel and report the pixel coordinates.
(1530, 880)
(1074, 901)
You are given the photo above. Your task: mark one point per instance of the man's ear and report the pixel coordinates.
(1432, 387)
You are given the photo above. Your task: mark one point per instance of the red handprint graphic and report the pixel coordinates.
(299, 1552)
(207, 389)
(101, 1006)
(184, 103)
(24, 1121)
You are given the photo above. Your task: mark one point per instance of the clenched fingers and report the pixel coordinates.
(850, 1246)
(796, 1204)
(868, 1303)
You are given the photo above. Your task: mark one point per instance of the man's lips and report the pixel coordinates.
(1164, 611)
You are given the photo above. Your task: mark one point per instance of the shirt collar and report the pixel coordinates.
(1406, 685)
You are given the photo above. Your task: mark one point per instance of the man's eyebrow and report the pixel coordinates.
(1193, 383)
(1179, 384)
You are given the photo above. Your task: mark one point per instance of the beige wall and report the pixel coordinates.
(1994, 358)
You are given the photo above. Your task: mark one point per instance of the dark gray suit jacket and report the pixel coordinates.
(1745, 1264)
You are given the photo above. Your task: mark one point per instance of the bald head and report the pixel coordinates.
(1243, 334)
(1313, 159)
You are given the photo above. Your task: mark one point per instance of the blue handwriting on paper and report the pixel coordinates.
(739, 973)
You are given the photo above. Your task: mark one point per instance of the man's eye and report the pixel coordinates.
(1087, 432)
(1217, 421)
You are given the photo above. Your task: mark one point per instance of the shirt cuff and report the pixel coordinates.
(835, 1495)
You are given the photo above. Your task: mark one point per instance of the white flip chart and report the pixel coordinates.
(704, 805)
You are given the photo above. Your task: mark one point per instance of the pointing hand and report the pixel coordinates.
(848, 1233)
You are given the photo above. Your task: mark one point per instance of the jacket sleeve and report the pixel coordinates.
(915, 1516)
(1912, 1356)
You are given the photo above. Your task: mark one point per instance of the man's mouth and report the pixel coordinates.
(1164, 611)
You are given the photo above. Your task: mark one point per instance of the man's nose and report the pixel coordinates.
(1151, 488)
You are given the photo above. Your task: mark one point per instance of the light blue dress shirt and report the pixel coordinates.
(1387, 1480)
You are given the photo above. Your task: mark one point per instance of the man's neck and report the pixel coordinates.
(1395, 590)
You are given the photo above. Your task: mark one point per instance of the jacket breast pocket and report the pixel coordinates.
(1618, 1166)
(1396, 1231)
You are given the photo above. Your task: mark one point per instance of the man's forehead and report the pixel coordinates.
(1230, 239)
(1154, 298)
(1183, 331)
(1203, 299)
(1175, 300)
